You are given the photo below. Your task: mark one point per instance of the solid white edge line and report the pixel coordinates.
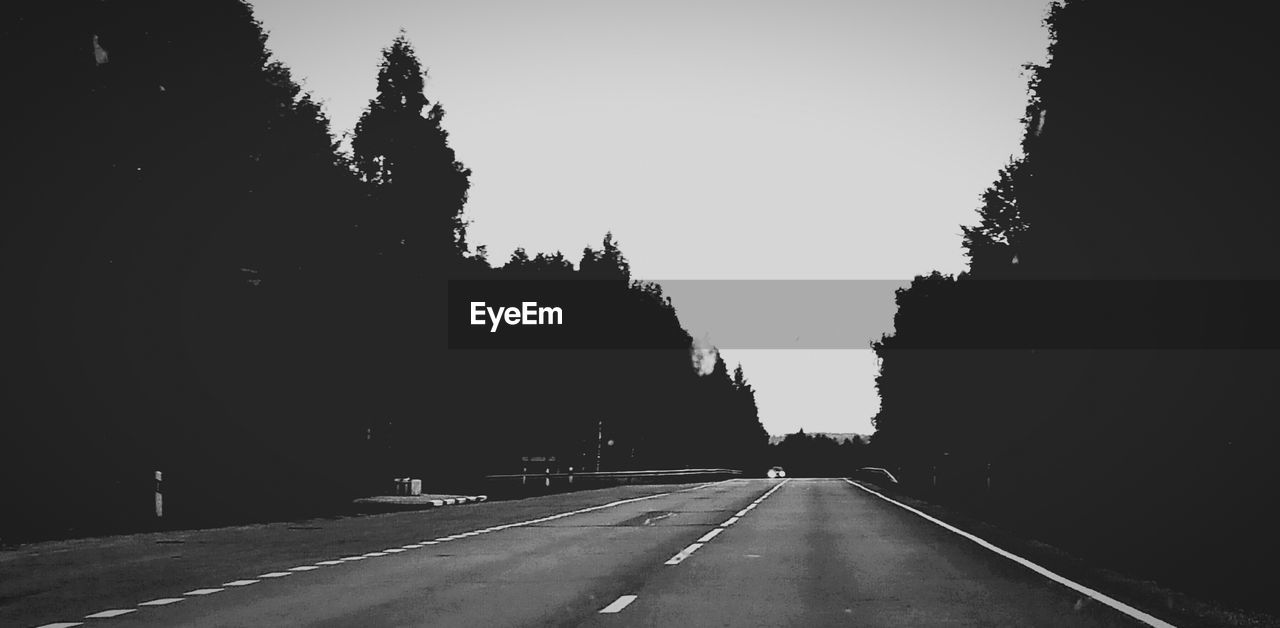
(1145, 618)
(619, 604)
(710, 535)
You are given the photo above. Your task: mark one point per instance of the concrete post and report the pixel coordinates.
(159, 497)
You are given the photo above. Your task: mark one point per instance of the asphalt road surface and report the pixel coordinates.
(743, 552)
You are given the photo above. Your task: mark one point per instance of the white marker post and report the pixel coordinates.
(159, 497)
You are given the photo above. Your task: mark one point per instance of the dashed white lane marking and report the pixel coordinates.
(318, 564)
(111, 613)
(619, 604)
(1145, 618)
(63, 624)
(684, 553)
(203, 591)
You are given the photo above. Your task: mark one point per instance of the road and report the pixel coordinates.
(801, 552)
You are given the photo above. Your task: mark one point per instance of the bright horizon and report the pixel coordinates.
(727, 140)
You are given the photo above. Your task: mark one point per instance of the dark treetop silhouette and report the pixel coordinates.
(201, 283)
(1146, 158)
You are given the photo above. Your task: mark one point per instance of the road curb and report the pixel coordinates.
(401, 502)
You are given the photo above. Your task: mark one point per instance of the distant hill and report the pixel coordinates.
(838, 436)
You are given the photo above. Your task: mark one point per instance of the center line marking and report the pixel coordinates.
(619, 604)
(239, 583)
(111, 613)
(304, 568)
(710, 535)
(728, 522)
(203, 591)
(164, 601)
(684, 553)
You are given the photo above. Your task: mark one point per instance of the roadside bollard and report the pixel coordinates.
(524, 476)
(548, 478)
(159, 497)
(570, 476)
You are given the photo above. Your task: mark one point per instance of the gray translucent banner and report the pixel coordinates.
(785, 314)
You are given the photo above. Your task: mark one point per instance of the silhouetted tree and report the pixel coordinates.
(418, 186)
(1144, 169)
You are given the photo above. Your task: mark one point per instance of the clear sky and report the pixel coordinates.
(721, 139)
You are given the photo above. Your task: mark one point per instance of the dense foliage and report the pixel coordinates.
(199, 281)
(1146, 157)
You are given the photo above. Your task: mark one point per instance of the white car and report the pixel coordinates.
(776, 472)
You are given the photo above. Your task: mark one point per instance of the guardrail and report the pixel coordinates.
(561, 481)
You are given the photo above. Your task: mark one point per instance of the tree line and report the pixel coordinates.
(200, 281)
(1146, 161)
